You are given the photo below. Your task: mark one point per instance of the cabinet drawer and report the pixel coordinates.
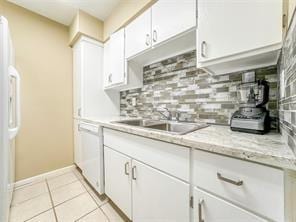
(170, 158)
(255, 187)
(209, 208)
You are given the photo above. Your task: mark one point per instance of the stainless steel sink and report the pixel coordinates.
(176, 128)
(139, 122)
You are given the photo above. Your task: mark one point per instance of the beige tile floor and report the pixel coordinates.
(64, 198)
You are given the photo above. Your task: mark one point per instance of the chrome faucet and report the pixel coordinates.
(167, 117)
(170, 115)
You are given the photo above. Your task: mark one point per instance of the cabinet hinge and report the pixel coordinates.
(191, 202)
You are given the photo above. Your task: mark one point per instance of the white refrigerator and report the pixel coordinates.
(9, 118)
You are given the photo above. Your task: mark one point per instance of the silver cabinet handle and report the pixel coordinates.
(203, 49)
(147, 39)
(79, 112)
(134, 176)
(110, 78)
(237, 183)
(154, 36)
(126, 168)
(200, 202)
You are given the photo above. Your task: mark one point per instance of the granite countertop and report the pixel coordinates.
(269, 149)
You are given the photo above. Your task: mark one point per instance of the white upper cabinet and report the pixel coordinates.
(232, 30)
(118, 74)
(117, 59)
(87, 69)
(172, 17)
(161, 22)
(107, 65)
(138, 34)
(88, 82)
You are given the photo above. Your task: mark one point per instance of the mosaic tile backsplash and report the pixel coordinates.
(178, 85)
(287, 102)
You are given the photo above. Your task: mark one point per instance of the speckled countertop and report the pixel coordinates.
(267, 149)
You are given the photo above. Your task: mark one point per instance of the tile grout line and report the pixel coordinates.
(70, 199)
(93, 197)
(28, 185)
(109, 220)
(38, 214)
(31, 198)
(85, 215)
(99, 207)
(57, 176)
(53, 189)
(39, 181)
(88, 191)
(53, 207)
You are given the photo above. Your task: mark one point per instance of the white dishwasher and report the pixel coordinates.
(92, 155)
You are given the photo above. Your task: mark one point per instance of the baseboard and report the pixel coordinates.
(43, 176)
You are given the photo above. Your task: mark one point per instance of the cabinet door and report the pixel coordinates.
(117, 58)
(117, 179)
(107, 61)
(212, 209)
(172, 17)
(77, 145)
(92, 69)
(138, 34)
(230, 27)
(158, 196)
(92, 155)
(77, 80)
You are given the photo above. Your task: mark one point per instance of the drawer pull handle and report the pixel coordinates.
(200, 202)
(134, 176)
(126, 168)
(203, 49)
(237, 183)
(82, 129)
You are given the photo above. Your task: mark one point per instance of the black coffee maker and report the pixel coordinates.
(252, 116)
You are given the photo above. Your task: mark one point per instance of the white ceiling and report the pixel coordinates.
(63, 11)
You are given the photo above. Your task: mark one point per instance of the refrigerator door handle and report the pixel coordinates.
(13, 73)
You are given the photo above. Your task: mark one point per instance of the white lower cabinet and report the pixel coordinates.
(255, 187)
(118, 179)
(150, 180)
(158, 196)
(208, 208)
(142, 192)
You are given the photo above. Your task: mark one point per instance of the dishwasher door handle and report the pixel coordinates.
(87, 130)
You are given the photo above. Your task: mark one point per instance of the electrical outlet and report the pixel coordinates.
(134, 101)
